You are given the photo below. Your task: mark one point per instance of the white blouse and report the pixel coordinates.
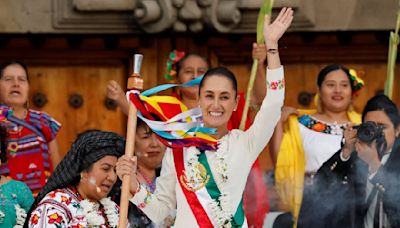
(241, 150)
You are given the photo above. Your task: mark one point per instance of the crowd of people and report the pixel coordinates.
(334, 167)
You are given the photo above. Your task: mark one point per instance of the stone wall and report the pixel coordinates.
(155, 16)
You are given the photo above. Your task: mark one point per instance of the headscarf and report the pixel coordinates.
(89, 147)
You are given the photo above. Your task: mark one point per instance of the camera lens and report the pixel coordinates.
(368, 131)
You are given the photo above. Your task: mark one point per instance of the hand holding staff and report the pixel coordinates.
(135, 85)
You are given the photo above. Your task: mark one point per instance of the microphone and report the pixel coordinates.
(140, 154)
(93, 182)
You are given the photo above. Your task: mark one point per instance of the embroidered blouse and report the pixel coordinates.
(62, 208)
(28, 159)
(240, 150)
(320, 140)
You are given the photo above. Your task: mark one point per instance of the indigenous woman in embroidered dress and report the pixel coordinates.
(76, 193)
(311, 137)
(15, 196)
(206, 187)
(32, 151)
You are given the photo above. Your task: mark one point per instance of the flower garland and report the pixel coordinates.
(110, 211)
(91, 211)
(19, 212)
(21, 216)
(221, 211)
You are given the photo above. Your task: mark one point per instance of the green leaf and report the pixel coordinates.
(265, 9)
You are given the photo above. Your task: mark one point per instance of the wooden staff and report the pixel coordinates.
(135, 84)
(264, 16)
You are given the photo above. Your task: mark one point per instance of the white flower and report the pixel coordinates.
(91, 213)
(20, 216)
(110, 211)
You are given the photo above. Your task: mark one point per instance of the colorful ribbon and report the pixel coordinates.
(169, 118)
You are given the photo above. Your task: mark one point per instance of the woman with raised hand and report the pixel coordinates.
(182, 68)
(32, 146)
(206, 187)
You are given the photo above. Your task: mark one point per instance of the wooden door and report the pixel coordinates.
(59, 83)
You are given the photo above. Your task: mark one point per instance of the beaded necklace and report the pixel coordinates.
(149, 183)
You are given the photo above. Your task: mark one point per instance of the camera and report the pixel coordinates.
(369, 131)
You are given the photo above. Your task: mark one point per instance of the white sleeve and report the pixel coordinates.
(267, 117)
(157, 206)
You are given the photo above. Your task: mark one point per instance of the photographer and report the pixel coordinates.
(359, 186)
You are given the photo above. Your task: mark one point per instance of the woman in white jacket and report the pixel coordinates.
(206, 187)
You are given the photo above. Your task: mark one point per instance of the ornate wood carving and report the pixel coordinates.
(155, 16)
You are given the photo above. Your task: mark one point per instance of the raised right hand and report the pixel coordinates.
(274, 31)
(114, 91)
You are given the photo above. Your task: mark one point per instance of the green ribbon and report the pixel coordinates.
(212, 189)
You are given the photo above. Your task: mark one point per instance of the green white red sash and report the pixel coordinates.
(199, 199)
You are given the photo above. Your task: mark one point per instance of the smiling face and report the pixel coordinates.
(14, 86)
(98, 181)
(191, 68)
(335, 92)
(148, 149)
(217, 101)
(389, 130)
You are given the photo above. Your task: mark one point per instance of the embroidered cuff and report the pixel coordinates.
(280, 84)
(142, 198)
(275, 79)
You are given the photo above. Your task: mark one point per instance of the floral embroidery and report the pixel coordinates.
(54, 194)
(322, 127)
(146, 200)
(35, 219)
(280, 84)
(319, 127)
(65, 200)
(55, 218)
(77, 226)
